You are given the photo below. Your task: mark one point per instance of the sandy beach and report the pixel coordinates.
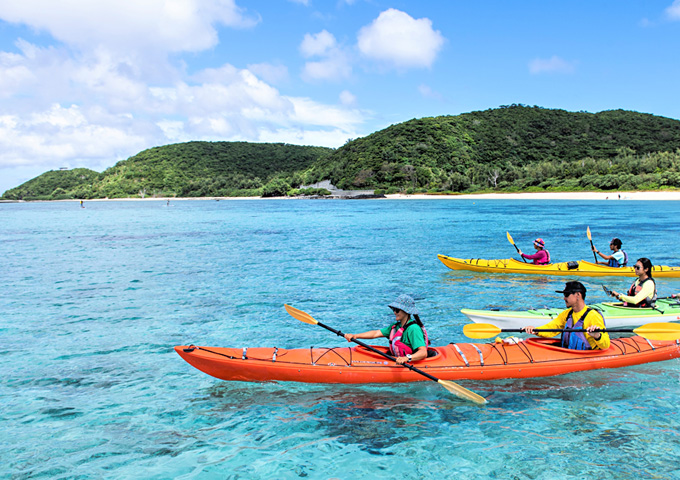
(667, 195)
(608, 196)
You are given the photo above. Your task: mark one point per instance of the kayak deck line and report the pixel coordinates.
(278, 353)
(580, 268)
(615, 315)
(533, 357)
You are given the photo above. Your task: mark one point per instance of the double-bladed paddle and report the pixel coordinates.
(611, 294)
(513, 244)
(452, 387)
(652, 331)
(591, 243)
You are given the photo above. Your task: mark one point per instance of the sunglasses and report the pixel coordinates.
(395, 310)
(637, 267)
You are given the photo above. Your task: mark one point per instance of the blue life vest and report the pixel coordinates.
(615, 263)
(575, 340)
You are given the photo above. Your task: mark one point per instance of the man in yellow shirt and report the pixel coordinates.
(577, 316)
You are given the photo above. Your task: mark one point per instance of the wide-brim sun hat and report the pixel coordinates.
(405, 303)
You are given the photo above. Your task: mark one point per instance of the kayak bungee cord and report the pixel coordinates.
(452, 387)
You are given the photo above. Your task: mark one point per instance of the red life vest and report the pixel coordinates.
(399, 348)
(635, 288)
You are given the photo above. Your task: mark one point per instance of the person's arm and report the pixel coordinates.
(419, 354)
(535, 256)
(369, 334)
(606, 257)
(646, 291)
(558, 322)
(594, 322)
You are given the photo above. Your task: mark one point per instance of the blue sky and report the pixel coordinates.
(86, 84)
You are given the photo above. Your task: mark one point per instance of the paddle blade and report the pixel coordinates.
(510, 238)
(588, 232)
(461, 392)
(480, 330)
(300, 315)
(659, 331)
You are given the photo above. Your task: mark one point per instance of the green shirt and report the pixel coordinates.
(413, 335)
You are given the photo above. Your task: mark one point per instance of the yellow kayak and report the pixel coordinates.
(581, 268)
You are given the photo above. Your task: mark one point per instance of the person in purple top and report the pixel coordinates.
(541, 257)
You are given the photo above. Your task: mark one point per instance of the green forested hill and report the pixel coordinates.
(512, 148)
(190, 169)
(197, 169)
(54, 185)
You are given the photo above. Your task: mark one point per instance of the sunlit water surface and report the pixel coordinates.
(93, 300)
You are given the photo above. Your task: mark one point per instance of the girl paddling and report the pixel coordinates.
(408, 338)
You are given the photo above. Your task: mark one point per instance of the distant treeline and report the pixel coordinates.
(508, 149)
(193, 169)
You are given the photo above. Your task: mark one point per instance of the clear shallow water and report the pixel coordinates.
(94, 299)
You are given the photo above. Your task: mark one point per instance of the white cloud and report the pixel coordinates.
(310, 112)
(130, 25)
(95, 112)
(348, 98)
(334, 63)
(13, 73)
(335, 69)
(554, 64)
(270, 73)
(319, 44)
(397, 39)
(62, 135)
(673, 12)
(89, 101)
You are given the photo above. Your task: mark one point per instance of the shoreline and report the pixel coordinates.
(669, 195)
(608, 196)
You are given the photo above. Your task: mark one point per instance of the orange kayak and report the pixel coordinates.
(533, 357)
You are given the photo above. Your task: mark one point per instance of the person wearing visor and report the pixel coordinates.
(618, 258)
(576, 316)
(642, 293)
(408, 338)
(541, 257)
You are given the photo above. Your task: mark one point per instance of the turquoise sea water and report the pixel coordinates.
(92, 301)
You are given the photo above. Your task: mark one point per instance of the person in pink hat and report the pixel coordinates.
(541, 257)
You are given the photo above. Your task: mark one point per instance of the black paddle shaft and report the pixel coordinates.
(564, 330)
(517, 248)
(390, 357)
(592, 247)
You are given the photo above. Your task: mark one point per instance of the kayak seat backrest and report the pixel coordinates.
(431, 352)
